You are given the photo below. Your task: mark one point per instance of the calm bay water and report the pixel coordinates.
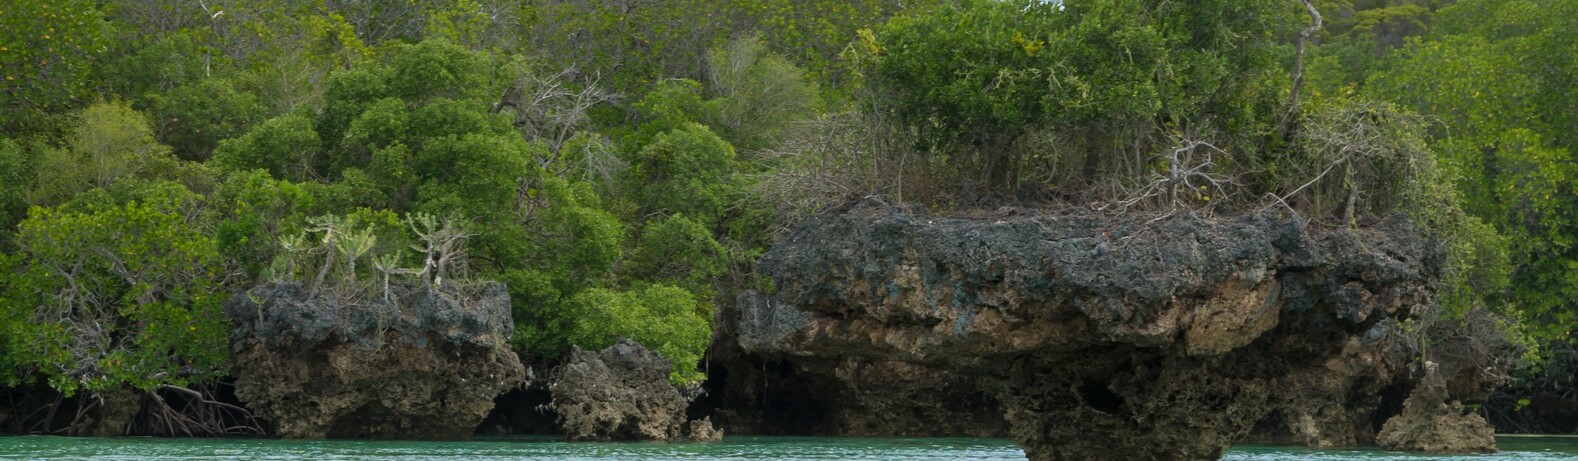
(735, 448)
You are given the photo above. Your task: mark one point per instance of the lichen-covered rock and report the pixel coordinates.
(621, 393)
(425, 364)
(1434, 423)
(1102, 337)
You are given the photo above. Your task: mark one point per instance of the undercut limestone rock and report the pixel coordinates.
(425, 364)
(1101, 337)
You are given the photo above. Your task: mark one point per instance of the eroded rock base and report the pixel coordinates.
(702, 431)
(851, 397)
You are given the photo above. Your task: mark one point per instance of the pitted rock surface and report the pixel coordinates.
(621, 393)
(1432, 422)
(424, 364)
(1101, 337)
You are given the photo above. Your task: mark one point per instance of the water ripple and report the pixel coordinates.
(734, 449)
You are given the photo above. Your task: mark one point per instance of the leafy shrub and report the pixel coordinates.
(677, 251)
(687, 170)
(665, 319)
(124, 294)
(285, 146)
(192, 119)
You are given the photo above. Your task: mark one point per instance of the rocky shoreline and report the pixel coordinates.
(1081, 336)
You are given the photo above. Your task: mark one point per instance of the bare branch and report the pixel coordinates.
(1298, 68)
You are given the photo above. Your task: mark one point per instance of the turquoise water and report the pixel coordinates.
(734, 448)
(1512, 448)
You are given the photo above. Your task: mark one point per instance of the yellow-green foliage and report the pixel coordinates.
(110, 142)
(1498, 77)
(47, 50)
(665, 319)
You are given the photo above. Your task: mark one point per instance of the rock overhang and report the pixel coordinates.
(1138, 327)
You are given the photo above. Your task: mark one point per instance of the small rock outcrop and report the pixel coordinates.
(621, 393)
(702, 431)
(422, 363)
(1100, 337)
(1434, 423)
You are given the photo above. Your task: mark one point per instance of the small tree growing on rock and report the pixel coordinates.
(1355, 151)
(330, 226)
(386, 265)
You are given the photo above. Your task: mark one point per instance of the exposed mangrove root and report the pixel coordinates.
(43, 425)
(174, 411)
(84, 414)
(83, 411)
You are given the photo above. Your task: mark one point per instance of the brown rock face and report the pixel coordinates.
(701, 431)
(427, 364)
(1434, 423)
(1100, 337)
(1336, 405)
(622, 393)
(1371, 380)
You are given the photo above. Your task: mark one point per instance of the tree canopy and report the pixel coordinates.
(621, 164)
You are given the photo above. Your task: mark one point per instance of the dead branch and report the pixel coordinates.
(1184, 172)
(546, 110)
(1298, 69)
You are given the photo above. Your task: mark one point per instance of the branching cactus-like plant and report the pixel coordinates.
(285, 265)
(330, 226)
(355, 244)
(386, 265)
(442, 244)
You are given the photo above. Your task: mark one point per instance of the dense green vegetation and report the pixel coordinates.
(620, 164)
(1496, 81)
